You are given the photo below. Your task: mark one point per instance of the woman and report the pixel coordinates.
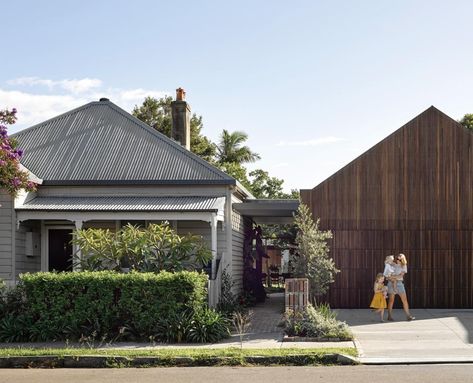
(396, 285)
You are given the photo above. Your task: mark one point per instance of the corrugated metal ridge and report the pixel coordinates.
(125, 203)
(169, 141)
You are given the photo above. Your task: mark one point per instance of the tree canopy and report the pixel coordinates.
(157, 114)
(230, 154)
(467, 121)
(230, 148)
(311, 259)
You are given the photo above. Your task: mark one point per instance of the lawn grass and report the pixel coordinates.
(23, 357)
(174, 352)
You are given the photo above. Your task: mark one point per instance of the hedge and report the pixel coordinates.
(106, 304)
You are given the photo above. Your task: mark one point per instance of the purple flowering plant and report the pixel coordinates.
(12, 178)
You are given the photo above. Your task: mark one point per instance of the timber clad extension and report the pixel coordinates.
(410, 193)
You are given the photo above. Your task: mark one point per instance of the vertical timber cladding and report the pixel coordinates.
(410, 193)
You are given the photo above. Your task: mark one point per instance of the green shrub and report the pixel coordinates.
(174, 327)
(324, 310)
(227, 304)
(314, 322)
(14, 328)
(152, 249)
(3, 290)
(104, 304)
(208, 326)
(11, 300)
(204, 326)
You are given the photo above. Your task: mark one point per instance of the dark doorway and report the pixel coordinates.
(60, 250)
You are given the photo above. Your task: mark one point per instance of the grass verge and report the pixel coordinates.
(101, 358)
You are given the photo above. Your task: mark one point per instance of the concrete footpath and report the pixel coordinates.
(435, 336)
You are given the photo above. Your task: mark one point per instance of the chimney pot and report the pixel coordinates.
(180, 94)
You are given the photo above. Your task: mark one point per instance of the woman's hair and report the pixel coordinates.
(389, 259)
(379, 275)
(402, 258)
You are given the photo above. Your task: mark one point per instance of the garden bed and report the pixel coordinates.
(315, 324)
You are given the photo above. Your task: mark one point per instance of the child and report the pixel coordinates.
(379, 299)
(390, 272)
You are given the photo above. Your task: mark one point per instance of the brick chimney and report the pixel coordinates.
(181, 119)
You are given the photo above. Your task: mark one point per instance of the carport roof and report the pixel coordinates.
(268, 211)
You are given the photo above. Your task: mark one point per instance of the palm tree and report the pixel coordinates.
(230, 149)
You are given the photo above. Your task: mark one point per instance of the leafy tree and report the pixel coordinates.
(264, 186)
(229, 155)
(467, 121)
(200, 144)
(157, 114)
(154, 249)
(230, 149)
(311, 258)
(294, 194)
(237, 171)
(12, 178)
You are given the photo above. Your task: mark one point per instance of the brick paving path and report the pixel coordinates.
(268, 315)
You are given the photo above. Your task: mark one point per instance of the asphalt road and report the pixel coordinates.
(362, 374)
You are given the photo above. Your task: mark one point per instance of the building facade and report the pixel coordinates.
(411, 193)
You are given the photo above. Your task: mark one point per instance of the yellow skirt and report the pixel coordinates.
(378, 301)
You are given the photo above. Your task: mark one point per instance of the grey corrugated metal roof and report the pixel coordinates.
(124, 203)
(100, 143)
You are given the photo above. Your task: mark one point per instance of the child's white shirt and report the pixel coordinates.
(389, 270)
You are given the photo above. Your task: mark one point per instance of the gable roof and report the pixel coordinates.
(100, 143)
(431, 113)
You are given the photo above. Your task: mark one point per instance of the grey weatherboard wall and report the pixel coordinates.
(6, 236)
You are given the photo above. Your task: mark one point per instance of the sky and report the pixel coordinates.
(313, 83)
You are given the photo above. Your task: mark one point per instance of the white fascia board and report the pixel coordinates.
(31, 176)
(111, 216)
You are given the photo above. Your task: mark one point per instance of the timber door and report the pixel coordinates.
(60, 249)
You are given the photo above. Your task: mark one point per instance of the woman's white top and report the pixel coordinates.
(398, 269)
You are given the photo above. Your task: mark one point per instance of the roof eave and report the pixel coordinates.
(243, 190)
(31, 176)
(213, 210)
